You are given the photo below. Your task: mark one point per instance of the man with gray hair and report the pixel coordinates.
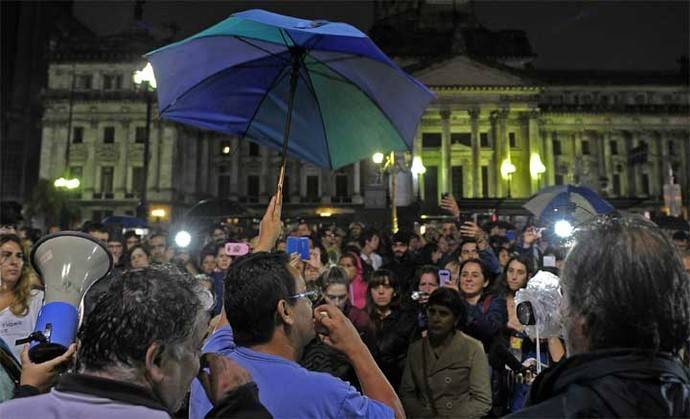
(626, 317)
(138, 352)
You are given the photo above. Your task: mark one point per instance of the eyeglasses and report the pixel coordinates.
(313, 295)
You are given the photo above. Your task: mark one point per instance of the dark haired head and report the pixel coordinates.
(367, 235)
(254, 285)
(142, 307)
(91, 226)
(334, 275)
(501, 287)
(425, 269)
(382, 277)
(401, 237)
(623, 280)
(450, 299)
(485, 271)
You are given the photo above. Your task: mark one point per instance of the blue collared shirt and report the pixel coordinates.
(287, 389)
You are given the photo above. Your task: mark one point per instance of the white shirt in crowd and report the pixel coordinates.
(14, 327)
(374, 260)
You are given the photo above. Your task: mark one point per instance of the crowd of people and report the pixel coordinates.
(370, 324)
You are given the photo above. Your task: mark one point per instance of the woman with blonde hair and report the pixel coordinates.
(19, 303)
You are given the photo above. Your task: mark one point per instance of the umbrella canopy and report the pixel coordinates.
(322, 89)
(578, 202)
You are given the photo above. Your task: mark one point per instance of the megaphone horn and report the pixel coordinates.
(69, 262)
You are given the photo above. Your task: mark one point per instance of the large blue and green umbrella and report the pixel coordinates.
(321, 91)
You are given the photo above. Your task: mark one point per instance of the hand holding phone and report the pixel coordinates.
(443, 277)
(236, 249)
(300, 245)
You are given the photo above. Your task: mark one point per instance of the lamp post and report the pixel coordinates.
(507, 170)
(417, 170)
(146, 81)
(388, 166)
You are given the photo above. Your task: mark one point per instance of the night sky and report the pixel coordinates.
(615, 35)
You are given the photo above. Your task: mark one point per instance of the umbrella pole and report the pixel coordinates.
(296, 62)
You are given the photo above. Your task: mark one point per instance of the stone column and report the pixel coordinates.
(495, 172)
(295, 181)
(235, 168)
(445, 174)
(664, 159)
(121, 170)
(47, 152)
(630, 171)
(325, 185)
(302, 181)
(533, 147)
(356, 183)
(264, 173)
(578, 163)
(550, 163)
(476, 176)
(658, 175)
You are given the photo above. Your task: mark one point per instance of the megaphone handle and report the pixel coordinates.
(34, 336)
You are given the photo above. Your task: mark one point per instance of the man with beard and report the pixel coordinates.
(403, 264)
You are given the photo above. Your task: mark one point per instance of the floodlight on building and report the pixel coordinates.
(507, 169)
(417, 166)
(67, 183)
(377, 158)
(536, 167)
(226, 149)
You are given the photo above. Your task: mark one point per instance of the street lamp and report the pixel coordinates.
(507, 170)
(389, 167)
(417, 169)
(377, 158)
(146, 81)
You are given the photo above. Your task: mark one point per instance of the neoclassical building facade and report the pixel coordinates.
(584, 128)
(580, 128)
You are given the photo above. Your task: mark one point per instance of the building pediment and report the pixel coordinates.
(464, 71)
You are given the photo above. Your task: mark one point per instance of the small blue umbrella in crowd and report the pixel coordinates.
(320, 91)
(567, 203)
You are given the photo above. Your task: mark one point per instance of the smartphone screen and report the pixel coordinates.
(296, 244)
(443, 277)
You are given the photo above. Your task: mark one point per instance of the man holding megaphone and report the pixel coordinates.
(138, 353)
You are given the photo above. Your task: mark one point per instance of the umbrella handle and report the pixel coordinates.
(297, 56)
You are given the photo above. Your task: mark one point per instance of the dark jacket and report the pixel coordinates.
(393, 336)
(611, 383)
(404, 270)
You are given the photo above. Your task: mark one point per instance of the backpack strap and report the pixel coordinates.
(486, 303)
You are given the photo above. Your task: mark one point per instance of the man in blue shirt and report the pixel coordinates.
(272, 319)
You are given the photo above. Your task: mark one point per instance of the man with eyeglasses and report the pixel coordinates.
(271, 320)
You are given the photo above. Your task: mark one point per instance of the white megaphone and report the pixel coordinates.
(69, 263)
